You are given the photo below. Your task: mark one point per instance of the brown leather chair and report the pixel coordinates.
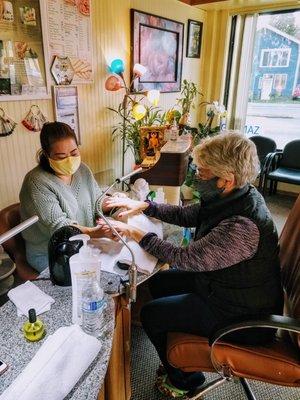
(277, 362)
(15, 247)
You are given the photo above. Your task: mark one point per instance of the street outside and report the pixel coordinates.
(281, 122)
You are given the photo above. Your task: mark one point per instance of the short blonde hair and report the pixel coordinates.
(229, 153)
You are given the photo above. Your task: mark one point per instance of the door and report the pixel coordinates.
(266, 87)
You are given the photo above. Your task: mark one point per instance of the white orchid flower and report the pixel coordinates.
(218, 108)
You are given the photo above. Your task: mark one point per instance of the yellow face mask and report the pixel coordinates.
(67, 166)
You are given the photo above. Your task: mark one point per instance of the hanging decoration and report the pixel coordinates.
(62, 70)
(7, 125)
(34, 119)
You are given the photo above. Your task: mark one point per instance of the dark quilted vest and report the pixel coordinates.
(254, 285)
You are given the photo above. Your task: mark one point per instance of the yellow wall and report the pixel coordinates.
(111, 38)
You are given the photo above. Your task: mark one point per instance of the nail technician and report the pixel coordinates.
(61, 190)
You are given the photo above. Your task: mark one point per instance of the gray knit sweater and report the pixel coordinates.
(56, 204)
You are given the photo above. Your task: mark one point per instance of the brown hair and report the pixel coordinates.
(52, 132)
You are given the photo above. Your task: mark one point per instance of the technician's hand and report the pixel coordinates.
(133, 206)
(125, 230)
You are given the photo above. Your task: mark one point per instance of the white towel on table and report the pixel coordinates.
(145, 262)
(56, 367)
(27, 296)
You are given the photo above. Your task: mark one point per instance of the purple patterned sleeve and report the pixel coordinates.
(235, 239)
(187, 216)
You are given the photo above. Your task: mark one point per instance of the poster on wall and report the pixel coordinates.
(66, 107)
(70, 35)
(22, 66)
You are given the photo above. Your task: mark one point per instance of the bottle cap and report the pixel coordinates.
(32, 315)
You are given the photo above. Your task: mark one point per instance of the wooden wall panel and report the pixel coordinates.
(111, 39)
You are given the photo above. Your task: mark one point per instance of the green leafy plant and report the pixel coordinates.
(204, 130)
(207, 129)
(128, 128)
(188, 94)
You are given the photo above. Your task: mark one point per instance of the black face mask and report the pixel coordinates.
(208, 189)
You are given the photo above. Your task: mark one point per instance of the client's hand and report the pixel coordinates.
(98, 231)
(124, 229)
(133, 206)
(104, 205)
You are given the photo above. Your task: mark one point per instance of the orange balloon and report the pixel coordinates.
(112, 83)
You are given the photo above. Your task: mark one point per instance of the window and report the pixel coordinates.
(275, 57)
(279, 82)
(268, 70)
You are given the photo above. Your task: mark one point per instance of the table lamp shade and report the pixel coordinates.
(139, 70)
(112, 83)
(138, 111)
(153, 96)
(117, 66)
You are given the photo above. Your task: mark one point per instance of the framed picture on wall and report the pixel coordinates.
(157, 44)
(65, 100)
(194, 38)
(24, 73)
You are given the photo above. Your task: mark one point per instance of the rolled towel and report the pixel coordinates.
(56, 367)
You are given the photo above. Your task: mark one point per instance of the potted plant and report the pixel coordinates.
(204, 130)
(131, 121)
(188, 93)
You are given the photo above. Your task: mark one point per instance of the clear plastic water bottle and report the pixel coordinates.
(93, 306)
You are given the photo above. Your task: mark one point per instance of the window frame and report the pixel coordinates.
(274, 50)
(281, 75)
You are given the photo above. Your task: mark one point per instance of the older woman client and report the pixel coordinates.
(230, 269)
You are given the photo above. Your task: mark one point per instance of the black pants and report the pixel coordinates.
(180, 306)
(177, 307)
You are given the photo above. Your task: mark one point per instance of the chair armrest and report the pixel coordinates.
(256, 321)
(253, 321)
(271, 161)
(268, 158)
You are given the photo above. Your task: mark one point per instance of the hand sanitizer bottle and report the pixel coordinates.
(82, 264)
(174, 131)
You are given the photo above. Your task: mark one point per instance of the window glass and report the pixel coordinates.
(274, 96)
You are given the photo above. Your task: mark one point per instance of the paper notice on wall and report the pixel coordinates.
(70, 35)
(66, 107)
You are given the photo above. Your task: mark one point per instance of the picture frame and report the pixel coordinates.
(157, 44)
(194, 39)
(148, 132)
(24, 40)
(66, 109)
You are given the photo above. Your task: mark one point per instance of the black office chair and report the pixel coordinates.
(265, 147)
(283, 167)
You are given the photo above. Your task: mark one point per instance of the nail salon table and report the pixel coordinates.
(16, 351)
(108, 377)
